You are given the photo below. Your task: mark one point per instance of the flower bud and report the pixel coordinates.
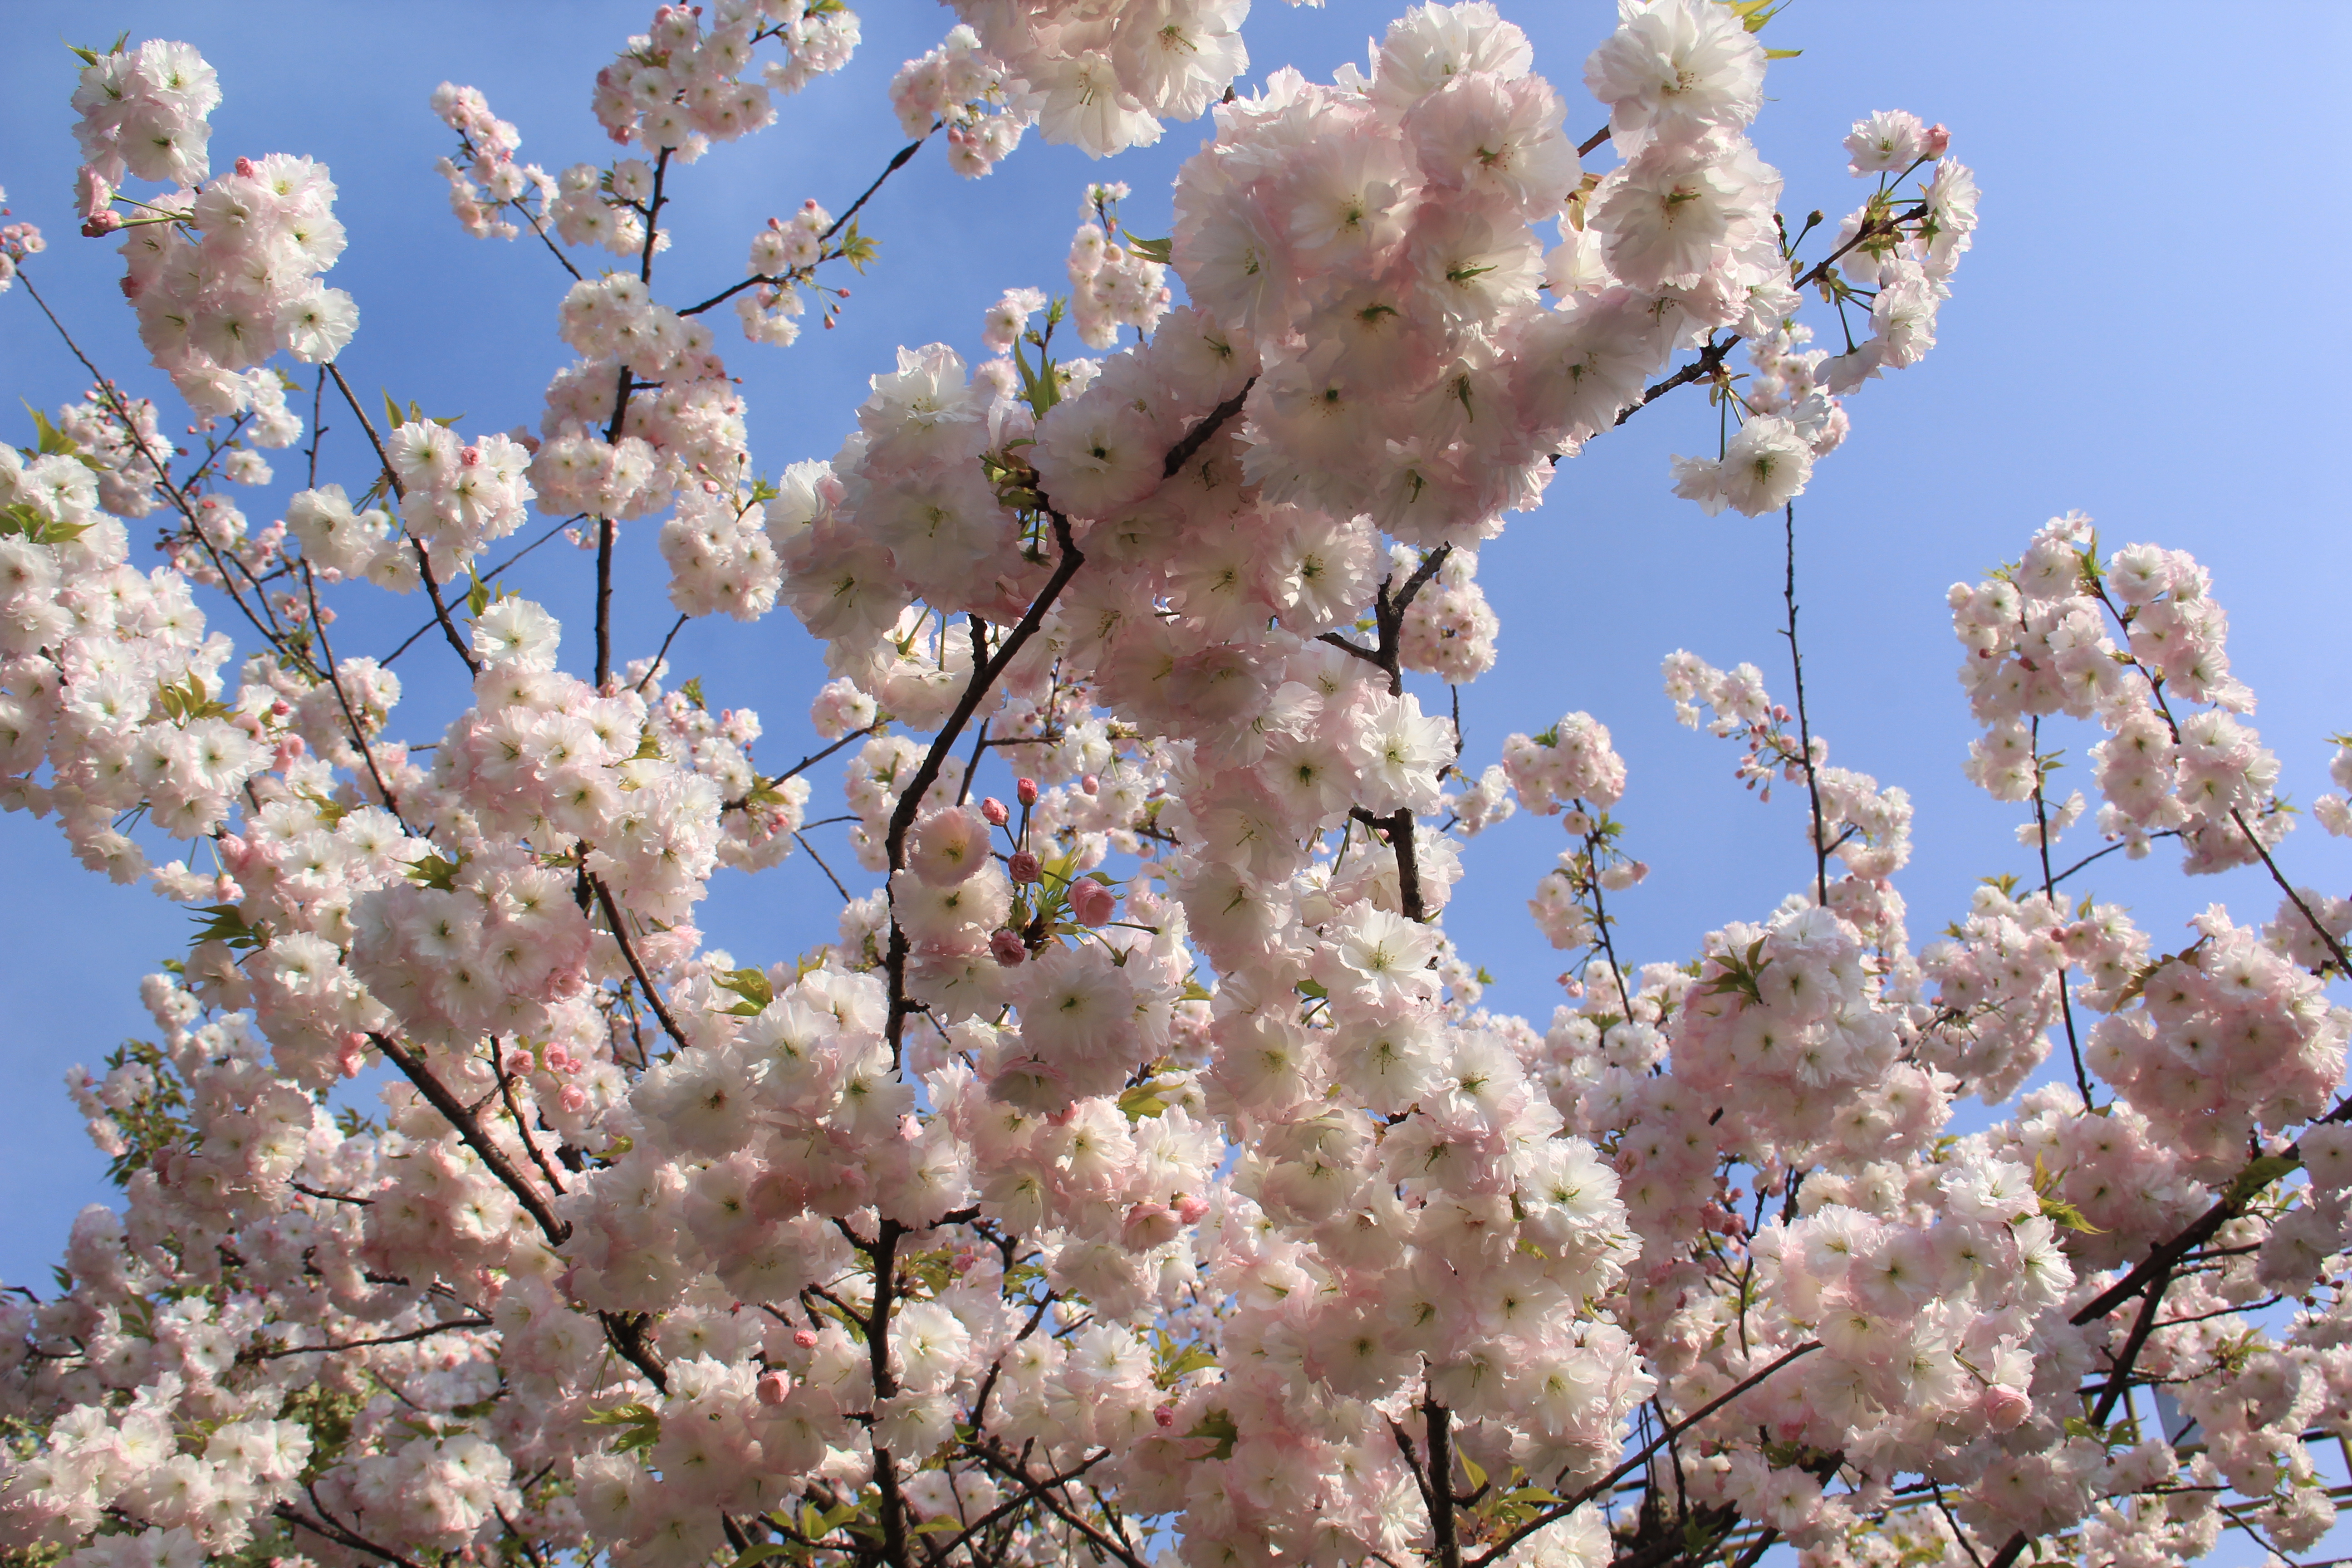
(1007, 948)
(773, 1386)
(2004, 1407)
(1025, 791)
(1936, 139)
(994, 810)
(1091, 784)
(1091, 901)
(1024, 867)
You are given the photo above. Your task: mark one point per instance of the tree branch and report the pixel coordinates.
(423, 562)
(621, 936)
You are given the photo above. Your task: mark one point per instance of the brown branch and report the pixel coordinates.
(1502, 1547)
(808, 762)
(310, 1192)
(1012, 1505)
(426, 1332)
(620, 935)
(905, 154)
(469, 1128)
(1711, 358)
(984, 675)
(2335, 947)
(522, 1128)
(329, 1527)
(1198, 435)
(1029, 1483)
(655, 668)
(423, 562)
(1398, 825)
(885, 1256)
(626, 1332)
(335, 679)
(1438, 1488)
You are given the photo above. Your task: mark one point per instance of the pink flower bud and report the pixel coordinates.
(1007, 948)
(1936, 138)
(245, 168)
(471, 458)
(572, 1098)
(1191, 1207)
(2004, 1407)
(1024, 867)
(1165, 1415)
(1091, 784)
(1091, 901)
(994, 810)
(1025, 791)
(804, 1338)
(772, 1387)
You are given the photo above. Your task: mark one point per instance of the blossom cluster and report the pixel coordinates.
(224, 272)
(1139, 1164)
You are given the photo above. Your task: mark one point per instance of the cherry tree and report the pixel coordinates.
(1137, 1175)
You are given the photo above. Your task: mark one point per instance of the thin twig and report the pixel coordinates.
(423, 562)
(620, 935)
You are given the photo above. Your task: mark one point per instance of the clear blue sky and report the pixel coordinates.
(2144, 331)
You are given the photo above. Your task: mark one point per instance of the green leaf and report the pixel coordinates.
(1142, 1100)
(858, 249)
(751, 986)
(759, 1554)
(189, 700)
(938, 1526)
(1472, 1468)
(54, 441)
(477, 597)
(329, 811)
(19, 520)
(1782, 54)
(2258, 1175)
(1217, 1426)
(436, 871)
(225, 922)
(692, 692)
(643, 1426)
(621, 1416)
(391, 411)
(1150, 249)
(649, 747)
(1192, 1358)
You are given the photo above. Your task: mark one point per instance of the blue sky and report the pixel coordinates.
(2142, 331)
